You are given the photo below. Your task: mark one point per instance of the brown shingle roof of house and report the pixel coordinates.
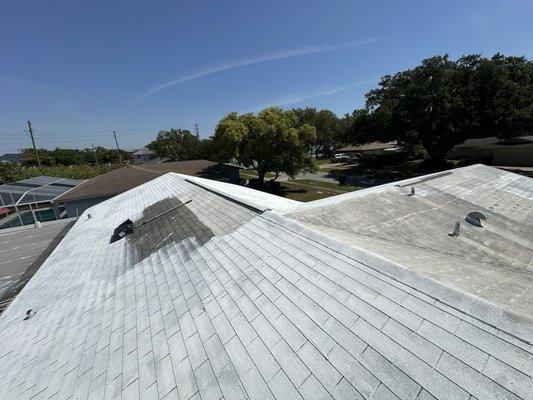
(369, 146)
(126, 178)
(494, 142)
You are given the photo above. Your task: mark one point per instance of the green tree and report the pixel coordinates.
(270, 141)
(205, 149)
(9, 172)
(328, 128)
(70, 157)
(441, 103)
(176, 144)
(66, 156)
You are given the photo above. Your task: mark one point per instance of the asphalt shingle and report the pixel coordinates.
(249, 306)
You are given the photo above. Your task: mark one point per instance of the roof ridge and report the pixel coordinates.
(152, 171)
(102, 176)
(379, 188)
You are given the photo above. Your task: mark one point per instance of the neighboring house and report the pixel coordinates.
(143, 155)
(220, 291)
(120, 180)
(11, 158)
(369, 148)
(516, 152)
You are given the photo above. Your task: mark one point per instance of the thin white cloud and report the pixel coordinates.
(301, 97)
(241, 62)
(10, 81)
(69, 108)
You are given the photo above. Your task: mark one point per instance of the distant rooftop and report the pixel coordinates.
(369, 147)
(35, 190)
(11, 157)
(143, 151)
(123, 179)
(215, 296)
(491, 142)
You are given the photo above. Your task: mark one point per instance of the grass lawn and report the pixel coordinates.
(252, 173)
(309, 190)
(325, 185)
(331, 169)
(321, 161)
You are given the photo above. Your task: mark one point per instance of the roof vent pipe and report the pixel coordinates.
(456, 231)
(412, 193)
(29, 314)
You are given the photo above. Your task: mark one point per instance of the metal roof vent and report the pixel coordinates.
(412, 193)
(456, 231)
(475, 218)
(29, 314)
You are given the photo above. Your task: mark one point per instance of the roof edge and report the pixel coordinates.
(517, 325)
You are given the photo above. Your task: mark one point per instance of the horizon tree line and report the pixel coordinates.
(438, 104)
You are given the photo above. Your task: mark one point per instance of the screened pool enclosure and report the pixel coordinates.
(33, 200)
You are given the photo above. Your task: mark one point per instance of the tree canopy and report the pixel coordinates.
(330, 129)
(271, 141)
(441, 103)
(67, 157)
(175, 144)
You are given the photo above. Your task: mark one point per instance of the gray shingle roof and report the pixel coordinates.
(494, 262)
(24, 249)
(216, 300)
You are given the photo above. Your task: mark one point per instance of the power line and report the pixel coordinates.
(95, 155)
(116, 142)
(33, 143)
(103, 132)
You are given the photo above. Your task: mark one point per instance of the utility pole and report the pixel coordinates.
(95, 155)
(33, 142)
(116, 142)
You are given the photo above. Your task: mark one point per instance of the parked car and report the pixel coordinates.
(344, 158)
(340, 157)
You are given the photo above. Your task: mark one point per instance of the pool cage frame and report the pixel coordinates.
(47, 196)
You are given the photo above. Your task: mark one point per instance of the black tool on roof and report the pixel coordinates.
(128, 227)
(124, 229)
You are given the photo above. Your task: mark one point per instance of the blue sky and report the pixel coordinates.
(80, 69)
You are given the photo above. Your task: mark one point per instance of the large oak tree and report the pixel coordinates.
(271, 141)
(441, 103)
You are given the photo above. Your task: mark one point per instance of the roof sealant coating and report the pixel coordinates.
(262, 309)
